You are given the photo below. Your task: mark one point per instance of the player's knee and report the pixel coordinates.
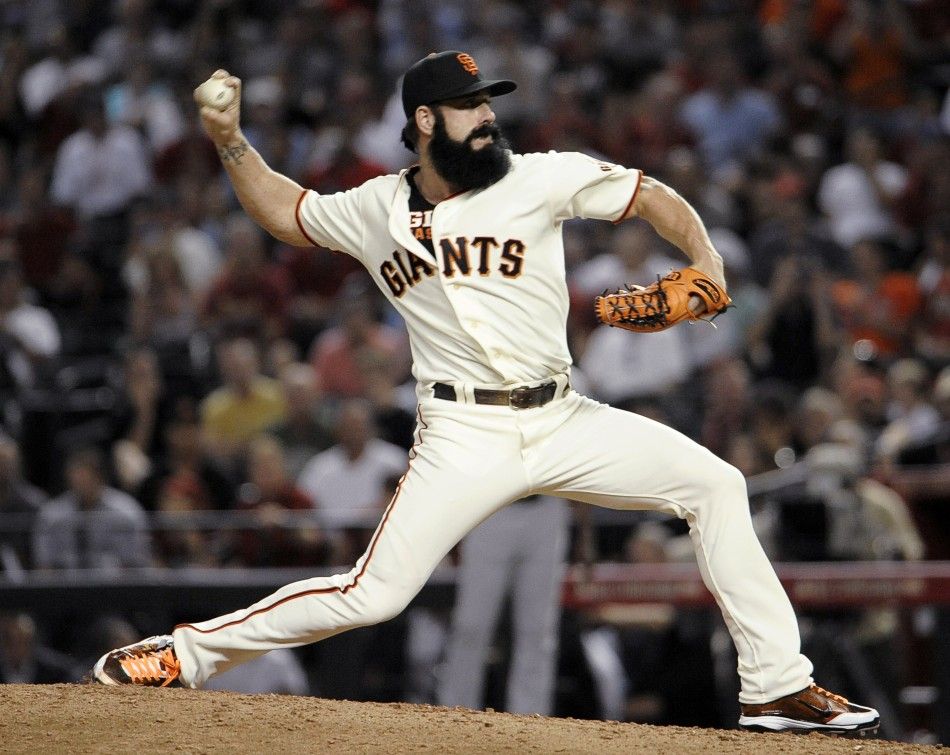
(385, 605)
(734, 481)
(726, 486)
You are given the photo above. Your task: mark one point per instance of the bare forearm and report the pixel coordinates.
(676, 221)
(269, 197)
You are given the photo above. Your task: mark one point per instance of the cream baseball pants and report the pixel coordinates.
(468, 461)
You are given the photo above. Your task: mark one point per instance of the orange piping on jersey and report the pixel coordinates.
(632, 199)
(297, 218)
(326, 590)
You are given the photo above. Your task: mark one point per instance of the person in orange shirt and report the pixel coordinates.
(875, 46)
(821, 16)
(877, 305)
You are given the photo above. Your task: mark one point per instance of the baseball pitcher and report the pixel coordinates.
(467, 247)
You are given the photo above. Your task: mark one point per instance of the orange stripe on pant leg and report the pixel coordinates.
(326, 590)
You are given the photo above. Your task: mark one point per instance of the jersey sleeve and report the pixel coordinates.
(332, 220)
(585, 187)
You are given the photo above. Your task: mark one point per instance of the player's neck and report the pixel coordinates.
(430, 184)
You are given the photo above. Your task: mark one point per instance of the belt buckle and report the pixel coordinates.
(520, 398)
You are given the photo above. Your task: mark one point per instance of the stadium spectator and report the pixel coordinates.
(342, 167)
(926, 195)
(249, 297)
(91, 525)
(795, 337)
(20, 503)
(246, 404)
(803, 82)
(859, 196)
(137, 30)
(23, 659)
(912, 417)
(932, 334)
(786, 227)
(144, 102)
(163, 317)
(639, 654)
(933, 449)
(187, 480)
(504, 49)
(863, 393)
(183, 223)
(60, 70)
(729, 119)
(316, 280)
(875, 44)
(42, 231)
(339, 352)
(29, 335)
(877, 305)
(395, 422)
(139, 418)
(727, 408)
(565, 123)
(346, 481)
(270, 494)
(191, 156)
(772, 426)
(817, 411)
(305, 431)
(100, 170)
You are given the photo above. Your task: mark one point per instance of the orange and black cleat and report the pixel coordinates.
(149, 663)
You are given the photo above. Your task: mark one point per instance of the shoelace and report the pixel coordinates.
(837, 698)
(148, 667)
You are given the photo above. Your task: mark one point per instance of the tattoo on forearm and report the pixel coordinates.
(233, 152)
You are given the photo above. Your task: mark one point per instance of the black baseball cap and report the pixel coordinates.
(445, 76)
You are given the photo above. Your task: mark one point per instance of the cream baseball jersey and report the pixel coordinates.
(490, 306)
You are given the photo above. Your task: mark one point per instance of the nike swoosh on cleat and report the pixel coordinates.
(826, 711)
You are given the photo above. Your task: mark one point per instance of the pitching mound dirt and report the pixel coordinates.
(93, 719)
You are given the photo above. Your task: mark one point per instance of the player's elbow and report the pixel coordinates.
(282, 225)
(290, 235)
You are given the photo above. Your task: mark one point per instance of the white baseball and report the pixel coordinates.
(215, 93)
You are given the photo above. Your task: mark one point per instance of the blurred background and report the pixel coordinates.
(192, 414)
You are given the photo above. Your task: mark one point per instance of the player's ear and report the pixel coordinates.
(425, 119)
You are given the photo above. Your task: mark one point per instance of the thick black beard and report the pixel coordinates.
(464, 167)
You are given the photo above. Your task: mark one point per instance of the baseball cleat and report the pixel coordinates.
(149, 663)
(812, 709)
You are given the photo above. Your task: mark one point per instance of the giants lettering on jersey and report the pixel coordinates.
(463, 256)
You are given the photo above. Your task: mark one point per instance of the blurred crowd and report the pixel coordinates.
(158, 353)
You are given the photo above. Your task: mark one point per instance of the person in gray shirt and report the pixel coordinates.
(91, 525)
(20, 502)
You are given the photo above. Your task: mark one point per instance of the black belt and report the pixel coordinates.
(516, 398)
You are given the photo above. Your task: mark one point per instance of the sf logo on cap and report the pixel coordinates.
(468, 63)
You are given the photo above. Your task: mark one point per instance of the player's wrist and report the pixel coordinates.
(233, 149)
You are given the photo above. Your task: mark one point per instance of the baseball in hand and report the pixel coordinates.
(215, 93)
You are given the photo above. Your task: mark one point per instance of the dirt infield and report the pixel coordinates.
(92, 719)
